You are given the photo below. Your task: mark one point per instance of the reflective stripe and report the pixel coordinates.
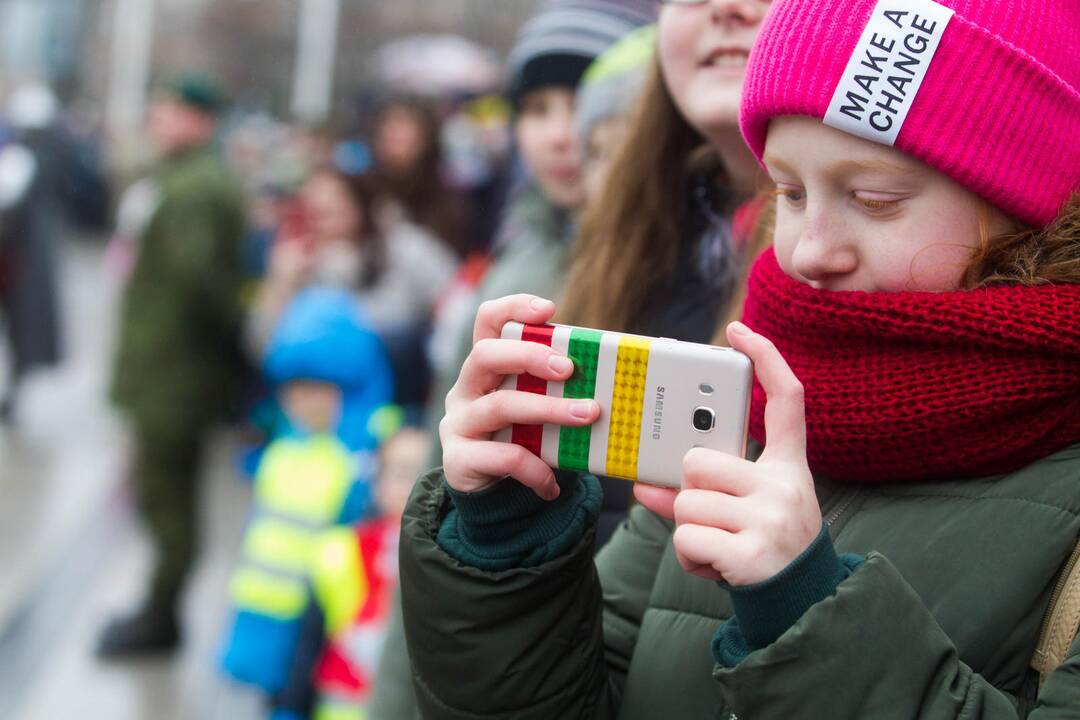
(300, 489)
(334, 708)
(338, 579)
(282, 574)
(263, 513)
(279, 543)
(277, 597)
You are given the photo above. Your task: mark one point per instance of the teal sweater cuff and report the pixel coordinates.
(766, 610)
(508, 526)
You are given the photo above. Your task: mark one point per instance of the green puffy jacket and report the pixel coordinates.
(940, 621)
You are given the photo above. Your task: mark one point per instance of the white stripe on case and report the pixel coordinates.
(510, 331)
(549, 448)
(605, 388)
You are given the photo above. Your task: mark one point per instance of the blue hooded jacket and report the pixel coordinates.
(322, 336)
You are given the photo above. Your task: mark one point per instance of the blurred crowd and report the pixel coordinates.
(367, 256)
(53, 178)
(318, 284)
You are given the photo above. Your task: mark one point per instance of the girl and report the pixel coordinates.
(394, 269)
(923, 290)
(667, 234)
(552, 51)
(408, 154)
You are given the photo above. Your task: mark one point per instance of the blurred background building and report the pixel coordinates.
(297, 59)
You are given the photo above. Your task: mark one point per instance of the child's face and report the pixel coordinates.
(549, 146)
(399, 140)
(605, 139)
(401, 459)
(855, 215)
(703, 50)
(331, 209)
(315, 406)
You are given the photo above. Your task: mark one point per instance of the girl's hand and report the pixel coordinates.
(476, 407)
(740, 521)
(291, 263)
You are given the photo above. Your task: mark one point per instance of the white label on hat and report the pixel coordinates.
(887, 69)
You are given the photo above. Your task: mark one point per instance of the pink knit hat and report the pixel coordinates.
(986, 91)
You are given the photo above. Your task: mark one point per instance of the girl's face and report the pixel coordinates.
(399, 140)
(855, 215)
(332, 212)
(703, 50)
(604, 141)
(549, 146)
(315, 406)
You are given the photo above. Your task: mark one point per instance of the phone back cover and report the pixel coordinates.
(647, 389)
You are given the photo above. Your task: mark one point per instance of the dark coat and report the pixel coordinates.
(939, 622)
(29, 231)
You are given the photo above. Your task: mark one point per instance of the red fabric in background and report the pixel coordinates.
(914, 385)
(531, 437)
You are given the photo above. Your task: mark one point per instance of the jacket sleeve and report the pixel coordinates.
(203, 255)
(518, 643)
(873, 649)
(627, 568)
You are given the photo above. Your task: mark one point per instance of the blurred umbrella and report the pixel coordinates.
(438, 66)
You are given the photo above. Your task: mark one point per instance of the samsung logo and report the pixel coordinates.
(658, 413)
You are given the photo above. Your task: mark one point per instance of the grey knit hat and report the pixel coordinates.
(613, 83)
(565, 36)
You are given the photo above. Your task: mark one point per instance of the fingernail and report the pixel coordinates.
(560, 364)
(553, 489)
(581, 410)
(738, 328)
(539, 304)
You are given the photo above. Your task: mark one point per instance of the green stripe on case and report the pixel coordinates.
(584, 350)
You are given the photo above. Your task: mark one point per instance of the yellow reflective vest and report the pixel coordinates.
(300, 489)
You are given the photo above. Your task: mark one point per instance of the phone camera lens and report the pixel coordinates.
(704, 419)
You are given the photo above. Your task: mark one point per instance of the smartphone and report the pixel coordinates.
(658, 399)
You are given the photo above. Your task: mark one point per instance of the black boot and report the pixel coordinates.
(148, 631)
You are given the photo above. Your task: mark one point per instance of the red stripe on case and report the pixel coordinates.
(531, 437)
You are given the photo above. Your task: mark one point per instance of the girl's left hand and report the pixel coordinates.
(740, 521)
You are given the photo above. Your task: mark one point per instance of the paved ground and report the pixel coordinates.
(72, 552)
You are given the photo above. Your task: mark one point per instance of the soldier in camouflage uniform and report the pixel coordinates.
(177, 367)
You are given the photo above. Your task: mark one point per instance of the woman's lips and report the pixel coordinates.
(570, 174)
(726, 58)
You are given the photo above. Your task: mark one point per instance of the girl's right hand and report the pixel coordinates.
(476, 407)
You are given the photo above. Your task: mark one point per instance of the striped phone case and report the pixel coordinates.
(648, 390)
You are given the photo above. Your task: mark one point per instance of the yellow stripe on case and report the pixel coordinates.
(624, 435)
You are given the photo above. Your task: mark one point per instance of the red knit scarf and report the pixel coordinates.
(915, 385)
